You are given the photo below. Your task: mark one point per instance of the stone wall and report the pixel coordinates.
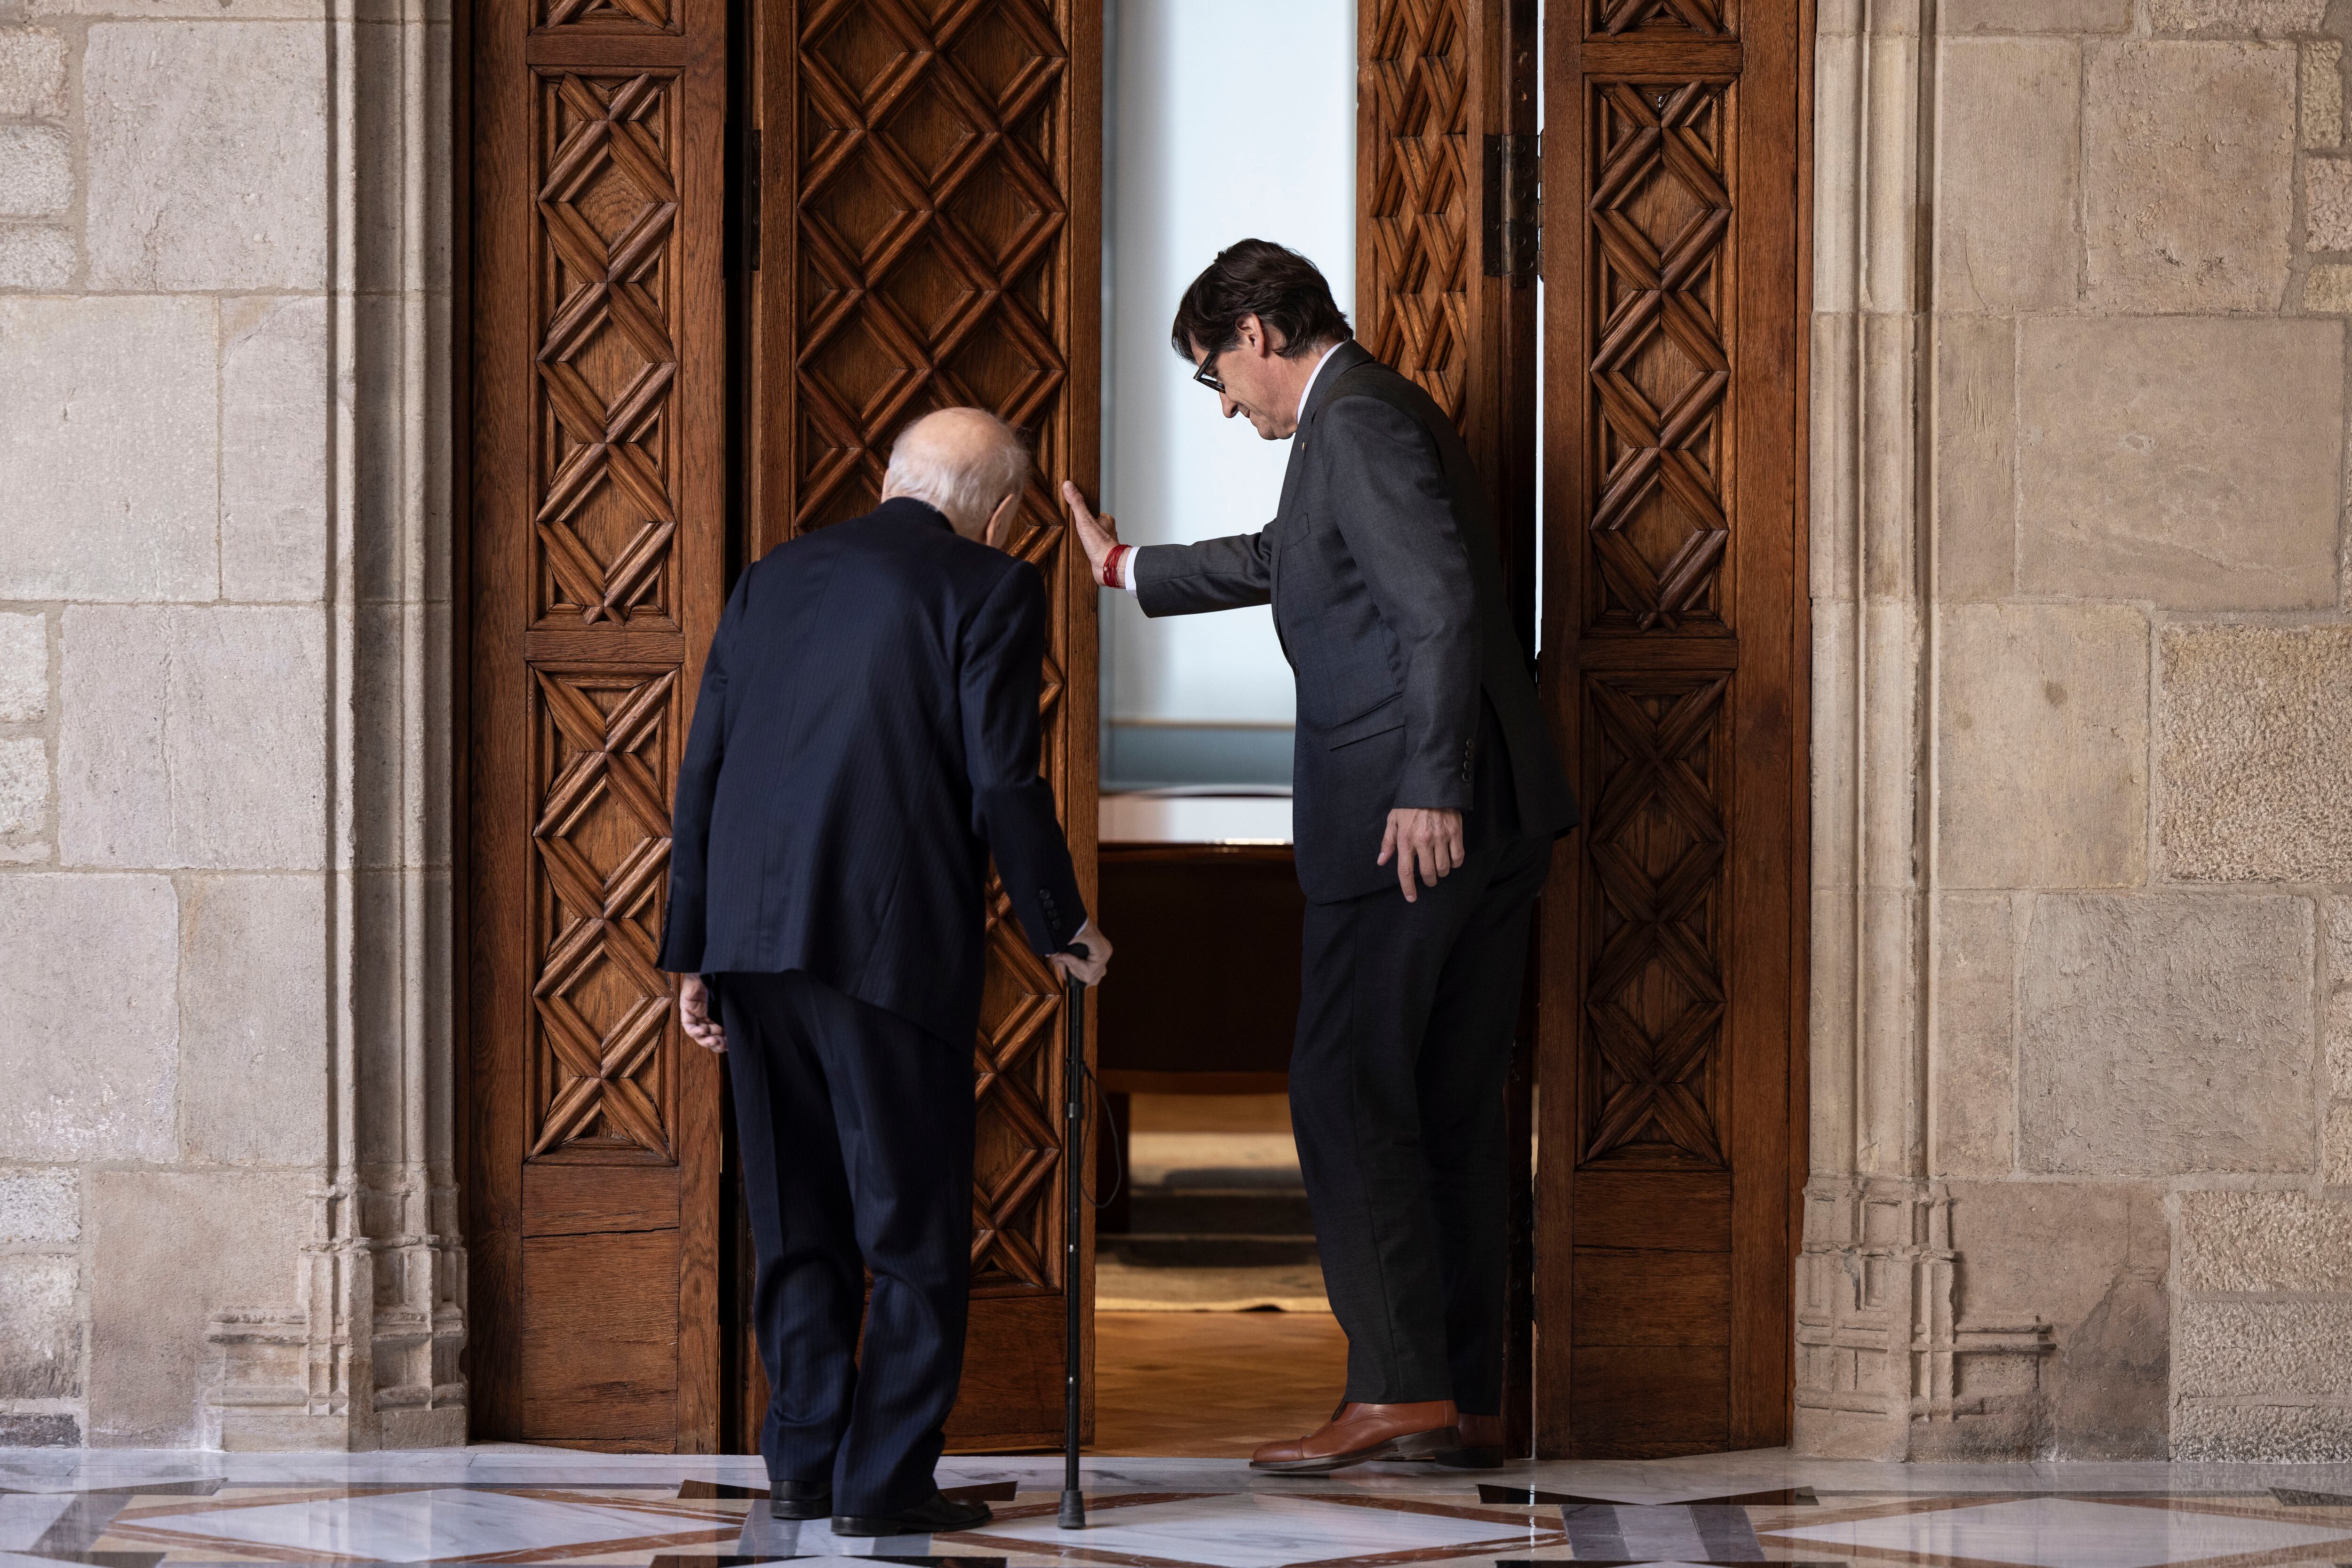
(223, 284)
(2082, 1155)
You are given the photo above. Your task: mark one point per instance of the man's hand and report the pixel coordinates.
(1070, 966)
(1096, 534)
(693, 1014)
(1429, 842)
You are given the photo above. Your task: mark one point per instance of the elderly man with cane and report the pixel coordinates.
(866, 737)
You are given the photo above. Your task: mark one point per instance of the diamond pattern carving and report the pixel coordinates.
(1659, 214)
(929, 224)
(607, 15)
(1702, 17)
(607, 360)
(1653, 982)
(603, 843)
(1416, 301)
(931, 270)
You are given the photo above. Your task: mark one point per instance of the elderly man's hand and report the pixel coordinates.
(1089, 969)
(1429, 842)
(694, 1015)
(1096, 534)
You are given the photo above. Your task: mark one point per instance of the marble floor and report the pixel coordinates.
(511, 1504)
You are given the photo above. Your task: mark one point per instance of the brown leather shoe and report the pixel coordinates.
(1482, 1443)
(1359, 1433)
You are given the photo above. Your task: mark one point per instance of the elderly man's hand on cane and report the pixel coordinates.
(1086, 968)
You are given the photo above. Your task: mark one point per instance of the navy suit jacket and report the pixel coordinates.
(1388, 597)
(867, 735)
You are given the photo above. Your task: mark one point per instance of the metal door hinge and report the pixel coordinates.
(1514, 246)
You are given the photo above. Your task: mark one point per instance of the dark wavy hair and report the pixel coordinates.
(1257, 277)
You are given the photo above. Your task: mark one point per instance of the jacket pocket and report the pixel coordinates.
(1382, 718)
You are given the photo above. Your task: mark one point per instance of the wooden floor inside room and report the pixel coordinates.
(1213, 1384)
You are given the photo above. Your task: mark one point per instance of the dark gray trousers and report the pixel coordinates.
(1405, 1023)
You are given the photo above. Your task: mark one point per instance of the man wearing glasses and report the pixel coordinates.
(1427, 797)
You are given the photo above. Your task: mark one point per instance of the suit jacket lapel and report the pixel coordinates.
(1344, 357)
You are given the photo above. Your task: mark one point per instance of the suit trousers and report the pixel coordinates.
(1397, 1079)
(855, 1128)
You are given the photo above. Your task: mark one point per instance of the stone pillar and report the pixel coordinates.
(226, 1187)
(366, 1355)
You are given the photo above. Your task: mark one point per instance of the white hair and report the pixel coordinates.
(968, 491)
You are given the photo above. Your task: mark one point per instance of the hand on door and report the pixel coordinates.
(1096, 534)
(1090, 967)
(694, 1015)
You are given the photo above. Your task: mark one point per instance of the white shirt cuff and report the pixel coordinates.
(1127, 570)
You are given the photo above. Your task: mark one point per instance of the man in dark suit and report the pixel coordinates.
(1428, 795)
(866, 737)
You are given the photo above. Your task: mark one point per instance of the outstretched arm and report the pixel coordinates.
(1180, 579)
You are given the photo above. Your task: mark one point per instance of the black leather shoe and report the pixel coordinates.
(934, 1513)
(799, 1499)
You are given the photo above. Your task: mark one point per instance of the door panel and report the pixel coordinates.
(596, 560)
(1670, 1005)
(932, 237)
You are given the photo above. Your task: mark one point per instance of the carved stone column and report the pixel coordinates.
(365, 1355)
(1882, 1361)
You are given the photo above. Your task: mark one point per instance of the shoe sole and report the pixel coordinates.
(868, 1525)
(1471, 1459)
(1411, 1445)
(803, 1510)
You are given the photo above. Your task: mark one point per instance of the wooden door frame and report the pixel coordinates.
(1554, 982)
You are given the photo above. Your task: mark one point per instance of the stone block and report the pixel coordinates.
(276, 398)
(40, 1327)
(89, 994)
(24, 791)
(2261, 1242)
(194, 738)
(2261, 1430)
(207, 10)
(1976, 457)
(2263, 1348)
(2328, 289)
(2336, 1146)
(109, 422)
(2340, 1044)
(2255, 756)
(2323, 96)
(36, 170)
(2088, 1259)
(32, 73)
(2044, 747)
(2036, 15)
(2006, 227)
(34, 256)
(1973, 1057)
(2263, 18)
(2327, 204)
(253, 1010)
(24, 668)
(2193, 462)
(39, 1429)
(2188, 176)
(40, 1206)
(171, 1247)
(2164, 1035)
(2338, 933)
(237, 112)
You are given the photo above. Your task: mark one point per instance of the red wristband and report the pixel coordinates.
(1111, 564)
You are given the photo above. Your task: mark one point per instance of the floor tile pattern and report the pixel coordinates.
(502, 1504)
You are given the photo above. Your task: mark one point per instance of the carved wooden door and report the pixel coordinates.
(1671, 1016)
(931, 237)
(595, 565)
(1445, 122)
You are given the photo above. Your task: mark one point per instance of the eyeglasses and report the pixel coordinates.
(1207, 374)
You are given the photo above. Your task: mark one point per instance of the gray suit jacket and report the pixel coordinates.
(1388, 596)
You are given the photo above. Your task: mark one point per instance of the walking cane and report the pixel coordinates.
(1074, 1107)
